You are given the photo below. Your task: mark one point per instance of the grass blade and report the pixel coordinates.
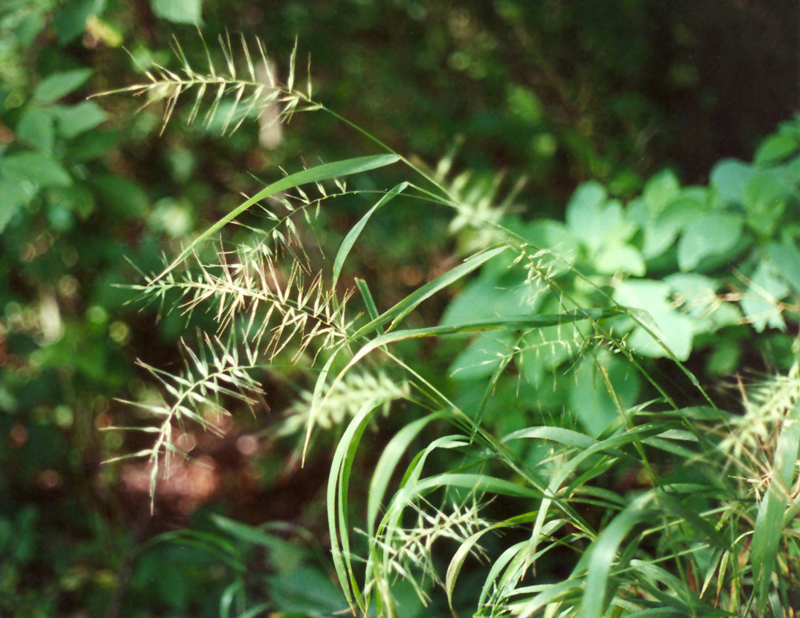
(770, 521)
(326, 171)
(604, 552)
(508, 323)
(354, 233)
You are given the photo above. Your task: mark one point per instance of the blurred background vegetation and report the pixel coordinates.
(554, 91)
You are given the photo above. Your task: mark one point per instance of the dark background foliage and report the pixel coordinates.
(560, 92)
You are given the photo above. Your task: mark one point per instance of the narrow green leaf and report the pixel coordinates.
(410, 302)
(603, 553)
(372, 309)
(770, 520)
(454, 568)
(388, 462)
(354, 233)
(508, 323)
(567, 437)
(479, 483)
(326, 171)
(338, 523)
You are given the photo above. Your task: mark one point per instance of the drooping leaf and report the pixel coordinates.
(602, 555)
(326, 171)
(354, 233)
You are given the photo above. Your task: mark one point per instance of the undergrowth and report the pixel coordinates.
(625, 490)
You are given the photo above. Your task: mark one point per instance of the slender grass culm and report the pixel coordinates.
(570, 463)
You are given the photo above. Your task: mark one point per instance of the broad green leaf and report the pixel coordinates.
(37, 128)
(354, 233)
(660, 190)
(71, 19)
(306, 591)
(585, 211)
(698, 299)
(482, 357)
(58, 85)
(91, 145)
(545, 349)
(179, 11)
(484, 299)
(554, 236)
(760, 302)
(709, 235)
(660, 233)
(595, 221)
(315, 174)
(776, 148)
(620, 258)
(124, 197)
(672, 328)
(77, 119)
(786, 259)
(770, 520)
(590, 399)
(12, 198)
(729, 178)
(765, 199)
(35, 168)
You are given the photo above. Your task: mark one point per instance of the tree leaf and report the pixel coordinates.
(37, 128)
(709, 235)
(58, 85)
(36, 168)
(660, 190)
(179, 11)
(729, 178)
(13, 198)
(80, 118)
(776, 148)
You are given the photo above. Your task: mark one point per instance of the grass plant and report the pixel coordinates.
(665, 506)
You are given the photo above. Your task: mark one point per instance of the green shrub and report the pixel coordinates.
(559, 448)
